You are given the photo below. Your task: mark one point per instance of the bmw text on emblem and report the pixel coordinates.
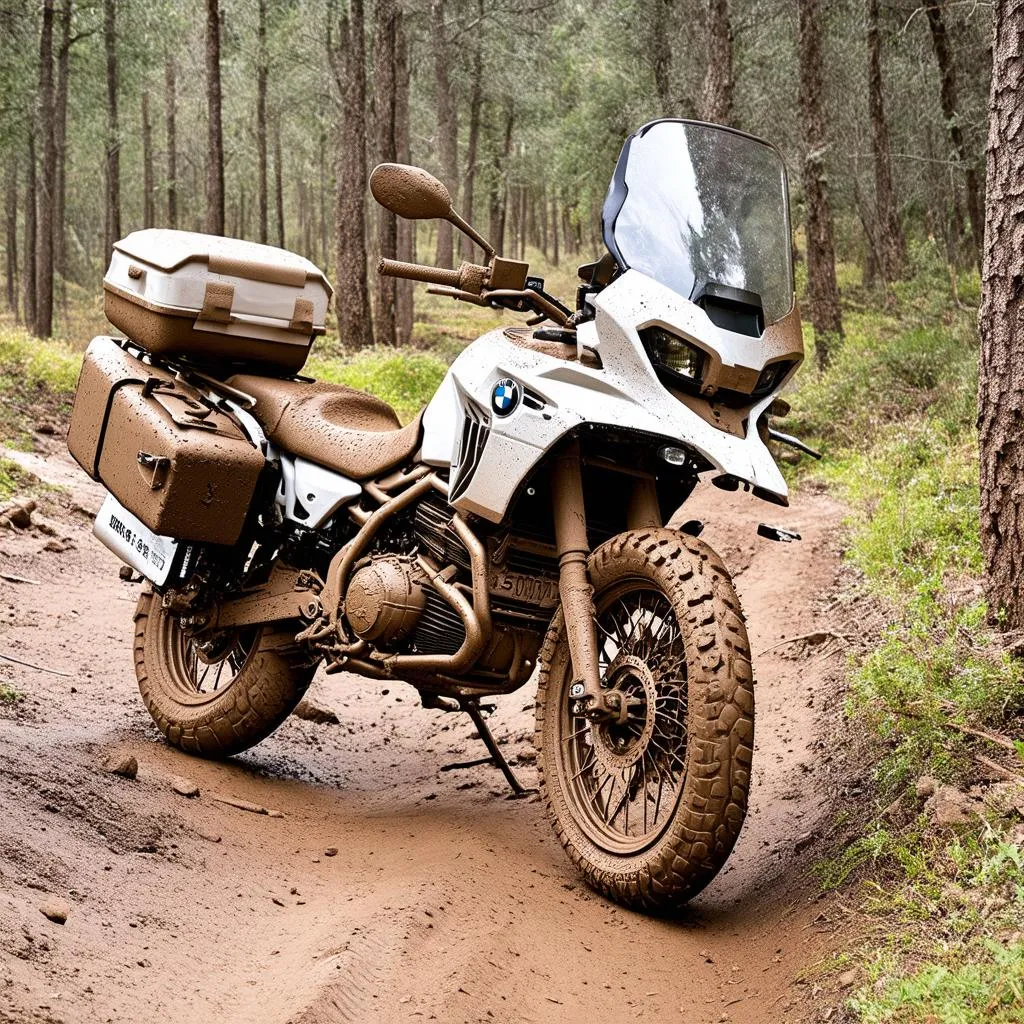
(505, 396)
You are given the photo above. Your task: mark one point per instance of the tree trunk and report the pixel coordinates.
(1001, 326)
(214, 132)
(112, 219)
(716, 100)
(148, 203)
(261, 121)
(355, 322)
(447, 128)
(29, 240)
(404, 304)
(822, 290)
(499, 197)
(43, 323)
(60, 137)
(385, 85)
(554, 231)
(170, 116)
(891, 244)
(11, 239)
(660, 42)
(476, 99)
(279, 183)
(948, 100)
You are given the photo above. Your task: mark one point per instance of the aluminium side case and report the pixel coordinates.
(182, 466)
(213, 300)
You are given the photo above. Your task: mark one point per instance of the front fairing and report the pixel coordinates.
(625, 392)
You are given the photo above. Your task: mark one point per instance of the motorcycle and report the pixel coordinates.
(516, 528)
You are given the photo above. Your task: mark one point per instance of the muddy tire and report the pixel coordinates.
(673, 641)
(267, 676)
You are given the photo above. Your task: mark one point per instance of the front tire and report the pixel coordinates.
(672, 640)
(220, 698)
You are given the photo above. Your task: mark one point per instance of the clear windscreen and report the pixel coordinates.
(694, 205)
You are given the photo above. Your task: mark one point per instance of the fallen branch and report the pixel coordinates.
(244, 805)
(991, 737)
(11, 578)
(995, 766)
(818, 636)
(38, 668)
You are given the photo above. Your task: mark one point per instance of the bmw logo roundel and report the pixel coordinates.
(505, 396)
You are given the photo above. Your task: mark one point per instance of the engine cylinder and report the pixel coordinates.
(385, 599)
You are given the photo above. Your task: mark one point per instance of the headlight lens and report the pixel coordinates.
(771, 376)
(672, 353)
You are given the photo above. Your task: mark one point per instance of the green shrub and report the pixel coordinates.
(30, 361)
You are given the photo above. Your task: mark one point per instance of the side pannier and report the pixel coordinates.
(214, 300)
(163, 449)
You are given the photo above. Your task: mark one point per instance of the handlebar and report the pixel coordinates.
(418, 272)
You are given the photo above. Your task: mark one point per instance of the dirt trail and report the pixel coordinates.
(445, 901)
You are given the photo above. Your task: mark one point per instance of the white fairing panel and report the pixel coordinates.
(561, 395)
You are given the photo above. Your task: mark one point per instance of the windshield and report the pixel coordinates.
(696, 206)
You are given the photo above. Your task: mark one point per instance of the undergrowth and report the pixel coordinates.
(895, 414)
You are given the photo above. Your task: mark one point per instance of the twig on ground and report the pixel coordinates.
(817, 636)
(38, 668)
(244, 805)
(995, 766)
(11, 578)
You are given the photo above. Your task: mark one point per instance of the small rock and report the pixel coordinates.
(948, 806)
(46, 428)
(310, 711)
(527, 756)
(210, 837)
(55, 547)
(925, 787)
(802, 842)
(848, 978)
(55, 910)
(184, 787)
(124, 765)
(21, 515)
(331, 851)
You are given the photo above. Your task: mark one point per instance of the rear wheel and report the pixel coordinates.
(648, 808)
(222, 695)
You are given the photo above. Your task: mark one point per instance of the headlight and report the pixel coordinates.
(771, 376)
(673, 354)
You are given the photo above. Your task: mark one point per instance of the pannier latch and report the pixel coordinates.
(154, 469)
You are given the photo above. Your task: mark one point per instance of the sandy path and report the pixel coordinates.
(445, 901)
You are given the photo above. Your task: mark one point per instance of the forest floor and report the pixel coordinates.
(386, 890)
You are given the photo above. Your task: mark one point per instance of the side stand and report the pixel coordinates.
(496, 757)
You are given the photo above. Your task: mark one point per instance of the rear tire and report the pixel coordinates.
(672, 638)
(268, 671)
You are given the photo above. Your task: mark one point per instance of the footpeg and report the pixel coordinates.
(777, 533)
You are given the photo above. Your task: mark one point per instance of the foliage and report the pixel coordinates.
(10, 478)
(31, 362)
(8, 694)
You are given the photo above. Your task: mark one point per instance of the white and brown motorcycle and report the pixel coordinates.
(516, 524)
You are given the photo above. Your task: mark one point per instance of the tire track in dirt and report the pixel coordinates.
(444, 899)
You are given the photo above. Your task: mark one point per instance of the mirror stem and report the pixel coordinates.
(468, 229)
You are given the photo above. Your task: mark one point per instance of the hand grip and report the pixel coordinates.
(418, 272)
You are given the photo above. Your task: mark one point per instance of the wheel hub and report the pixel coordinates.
(620, 742)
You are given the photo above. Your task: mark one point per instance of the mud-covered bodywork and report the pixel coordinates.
(559, 395)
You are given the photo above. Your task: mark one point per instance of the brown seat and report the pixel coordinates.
(330, 424)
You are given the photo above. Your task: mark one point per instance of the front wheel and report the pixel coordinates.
(649, 809)
(218, 696)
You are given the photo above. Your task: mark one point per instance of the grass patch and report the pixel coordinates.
(34, 363)
(11, 476)
(9, 695)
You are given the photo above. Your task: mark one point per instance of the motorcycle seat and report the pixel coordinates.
(333, 425)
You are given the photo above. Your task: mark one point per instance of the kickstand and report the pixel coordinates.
(497, 758)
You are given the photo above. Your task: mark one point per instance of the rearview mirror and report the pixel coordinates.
(410, 192)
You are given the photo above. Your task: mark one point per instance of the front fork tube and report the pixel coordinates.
(574, 589)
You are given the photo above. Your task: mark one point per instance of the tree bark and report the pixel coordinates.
(29, 239)
(60, 136)
(148, 198)
(476, 99)
(47, 183)
(447, 128)
(261, 121)
(719, 84)
(949, 103)
(385, 86)
(404, 303)
(112, 219)
(11, 239)
(822, 290)
(170, 117)
(1001, 326)
(891, 243)
(499, 198)
(355, 321)
(279, 183)
(660, 43)
(214, 131)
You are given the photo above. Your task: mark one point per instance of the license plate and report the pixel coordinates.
(540, 591)
(133, 542)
